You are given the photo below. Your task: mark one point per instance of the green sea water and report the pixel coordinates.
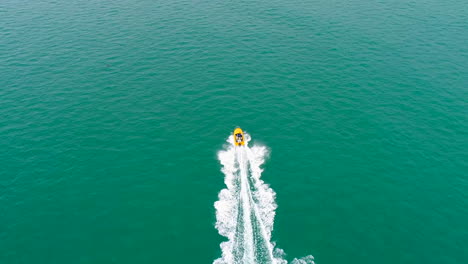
(112, 114)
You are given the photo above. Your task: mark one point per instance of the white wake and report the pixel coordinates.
(245, 210)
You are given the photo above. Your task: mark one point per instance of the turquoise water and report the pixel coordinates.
(112, 114)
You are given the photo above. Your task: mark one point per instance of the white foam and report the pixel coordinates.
(246, 195)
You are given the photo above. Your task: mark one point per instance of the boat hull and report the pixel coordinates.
(239, 137)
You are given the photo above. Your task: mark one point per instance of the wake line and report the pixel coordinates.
(246, 208)
(249, 202)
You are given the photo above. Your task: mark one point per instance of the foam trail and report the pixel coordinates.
(245, 210)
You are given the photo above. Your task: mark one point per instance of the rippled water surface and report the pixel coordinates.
(112, 114)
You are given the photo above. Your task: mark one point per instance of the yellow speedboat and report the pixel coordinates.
(238, 137)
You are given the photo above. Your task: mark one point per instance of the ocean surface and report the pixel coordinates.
(114, 117)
